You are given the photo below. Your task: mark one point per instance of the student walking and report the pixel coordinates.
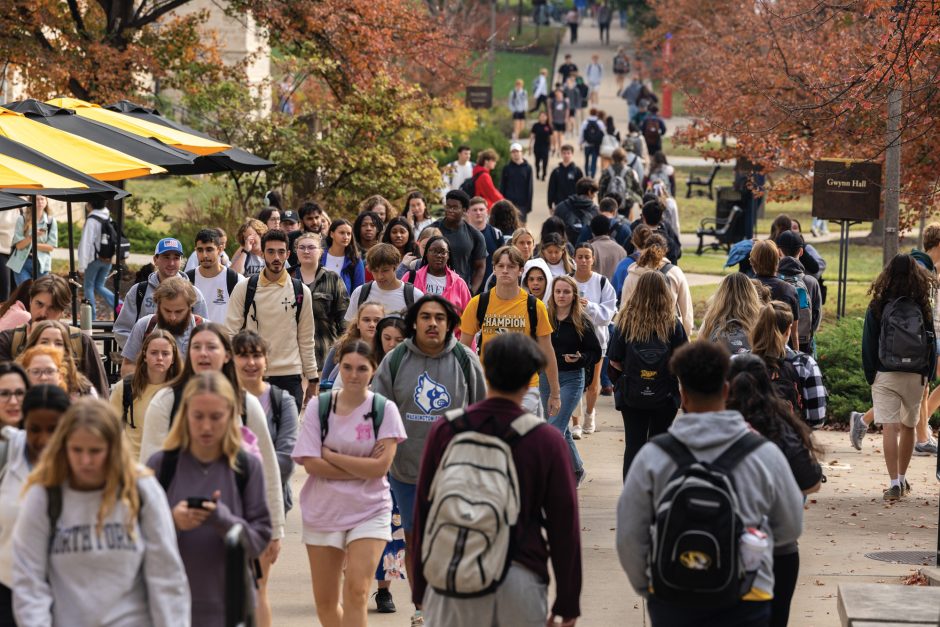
(540, 144)
(212, 484)
(329, 297)
(342, 256)
(96, 251)
(347, 444)
(394, 295)
(730, 314)
(86, 483)
(362, 327)
(898, 370)
(646, 391)
(210, 276)
(545, 520)
(518, 106)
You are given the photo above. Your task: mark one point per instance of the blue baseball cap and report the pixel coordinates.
(169, 245)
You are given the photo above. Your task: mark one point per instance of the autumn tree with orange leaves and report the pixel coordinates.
(802, 80)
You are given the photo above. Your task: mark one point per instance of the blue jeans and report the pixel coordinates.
(95, 276)
(405, 497)
(590, 160)
(571, 384)
(605, 378)
(27, 272)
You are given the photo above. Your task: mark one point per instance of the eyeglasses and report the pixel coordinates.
(438, 252)
(41, 372)
(307, 249)
(6, 395)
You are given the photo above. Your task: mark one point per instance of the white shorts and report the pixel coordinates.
(378, 528)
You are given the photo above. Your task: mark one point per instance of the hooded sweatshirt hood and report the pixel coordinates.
(423, 389)
(541, 264)
(791, 266)
(924, 259)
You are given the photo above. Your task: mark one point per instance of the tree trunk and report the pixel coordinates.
(877, 235)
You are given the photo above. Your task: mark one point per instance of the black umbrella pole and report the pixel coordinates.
(35, 242)
(73, 276)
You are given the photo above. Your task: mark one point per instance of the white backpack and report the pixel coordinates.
(474, 504)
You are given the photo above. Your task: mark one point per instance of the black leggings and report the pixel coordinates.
(541, 101)
(639, 425)
(541, 163)
(6, 607)
(786, 570)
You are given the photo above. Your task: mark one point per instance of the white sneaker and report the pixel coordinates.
(589, 419)
(576, 432)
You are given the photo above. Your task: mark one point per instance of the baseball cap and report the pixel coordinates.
(789, 242)
(169, 245)
(514, 146)
(289, 216)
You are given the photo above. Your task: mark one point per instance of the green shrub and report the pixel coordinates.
(839, 347)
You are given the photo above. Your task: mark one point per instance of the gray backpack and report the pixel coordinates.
(732, 334)
(906, 344)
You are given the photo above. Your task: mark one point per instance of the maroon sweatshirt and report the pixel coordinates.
(546, 486)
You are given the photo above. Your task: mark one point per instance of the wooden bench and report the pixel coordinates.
(725, 227)
(697, 181)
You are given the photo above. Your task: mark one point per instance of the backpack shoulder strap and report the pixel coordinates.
(275, 394)
(603, 282)
(192, 276)
(678, 451)
(462, 354)
(151, 325)
(231, 280)
(378, 413)
(127, 400)
(666, 268)
(483, 303)
(168, 468)
(741, 448)
(525, 424)
(53, 509)
(412, 275)
(409, 294)
(4, 455)
(532, 308)
(394, 360)
(325, 400)
(141, 293)
(250, 290)
(242, 472)
(364, 292)
(298, 298)
(177, 399)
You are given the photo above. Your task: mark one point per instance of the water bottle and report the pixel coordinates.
(85, 317)
(753, 545)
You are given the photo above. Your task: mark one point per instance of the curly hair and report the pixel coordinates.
(903, 277)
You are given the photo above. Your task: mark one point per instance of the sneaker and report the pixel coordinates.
(417, 620)
(589, 422)
(607, 390)
(579, 478)
(857, 429)
(925, 448)
(893, 493)
(576, 432)
(383, 601)
(906, 488)
(814, 232)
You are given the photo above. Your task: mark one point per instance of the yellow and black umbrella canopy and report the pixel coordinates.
(99, 161)
(16, 173)
(9, 201)
(200, 145)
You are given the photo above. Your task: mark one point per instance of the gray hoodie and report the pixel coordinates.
(129, 314)
(768, 494)
(425, 387)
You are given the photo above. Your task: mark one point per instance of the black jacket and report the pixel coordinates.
(516, 184)
(575, 212)
(566, 341)
(672, 240)
(562, 182)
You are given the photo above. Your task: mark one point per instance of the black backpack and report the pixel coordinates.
(593, 133)
(252, 288)
(695, 556)
(469, 187)
(906, 343)
(408, 293)
(530, 306)
(231, 279)
(107, 245)
(787, 383)
(647, 382)
(651, 131)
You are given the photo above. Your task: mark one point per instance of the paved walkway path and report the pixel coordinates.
(844, 521)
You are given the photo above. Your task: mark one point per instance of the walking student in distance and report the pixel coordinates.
(508, 308)
(248, 259)
(98, 239)
(425, 376)
(540, 144)
(478, 216)
(458, 171)
(518, 105)
(765, 498)
(211, 277)
(898, 370)
(558, 107)
(467, 246)
(276, 306)
(86, 484)
(341, 255)
(346, 445)
(212, 484)
(385, 288)
(547, 525)
(517, 182)
(329, 297)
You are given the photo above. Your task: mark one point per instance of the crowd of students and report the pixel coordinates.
(400, 360)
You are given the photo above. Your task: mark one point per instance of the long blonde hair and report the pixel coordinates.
(121, 470)
(576, 315)
(650, 312)
(352, 328)
(735, 299)
(207, 383)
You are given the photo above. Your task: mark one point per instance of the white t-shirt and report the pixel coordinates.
(392, 300)
(435, 284)
(334, 263)
(215, 291)
(557, 269)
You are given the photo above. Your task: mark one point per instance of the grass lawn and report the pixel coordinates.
(174, 192)
(672, 150)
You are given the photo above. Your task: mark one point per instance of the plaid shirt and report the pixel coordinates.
(812, 388)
